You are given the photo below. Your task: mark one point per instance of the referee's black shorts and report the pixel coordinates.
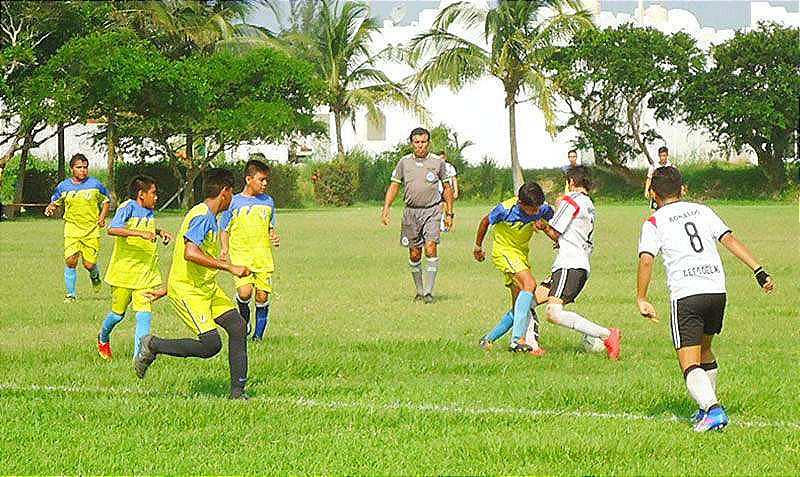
(693, 316)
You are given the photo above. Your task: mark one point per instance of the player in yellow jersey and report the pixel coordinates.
(247, 234)
(133, 271)
(85, 202)
(196, 297)
(513, 222)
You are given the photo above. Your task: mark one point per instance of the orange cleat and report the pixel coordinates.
(104, 349)
(612, 344)
(537, 352)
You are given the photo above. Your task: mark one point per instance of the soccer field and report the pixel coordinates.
(354, 378)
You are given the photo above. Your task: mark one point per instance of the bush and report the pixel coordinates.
(335, 183)
(41, 178)
(160, 171)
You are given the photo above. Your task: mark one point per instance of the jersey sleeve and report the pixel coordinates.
(444, 172)
(451, 170)
(57, 195)
(225, 220)
(568, 209)
(198, 228)
(498, 214)
(397, 173)
(716, 226)
(546, 212)
(104, 195)
(648, 240)
(121, 216)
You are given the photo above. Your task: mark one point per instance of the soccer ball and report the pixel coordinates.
(592, 345)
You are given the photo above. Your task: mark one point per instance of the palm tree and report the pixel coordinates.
(518, 35)
(335, 38)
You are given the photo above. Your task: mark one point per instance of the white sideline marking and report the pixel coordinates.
(404, 406)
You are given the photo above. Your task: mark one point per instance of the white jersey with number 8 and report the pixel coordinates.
(686, 235)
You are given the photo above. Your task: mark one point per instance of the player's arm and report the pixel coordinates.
(126, 232)
(154, 295)
(643, 275)
(54, 203)
(548, 230)
(224, 245)
(738, 249)
(166, 237)
(454, 182)
(483, 227)
(647, 186)
(391, 193)
(447, 192)
(194, 254)
(101, 220)
(273, 232)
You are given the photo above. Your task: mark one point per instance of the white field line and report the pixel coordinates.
(399, 406)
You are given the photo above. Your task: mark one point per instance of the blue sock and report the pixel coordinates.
(262, 320)
(94, 273)
(502, 327)
(111, 321)
(143, 319)
(521, 309)
(70, 275)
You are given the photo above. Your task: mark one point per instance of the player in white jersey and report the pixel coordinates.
(686, 234)
(572, 228)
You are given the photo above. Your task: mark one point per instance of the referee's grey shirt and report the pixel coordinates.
(420, 179)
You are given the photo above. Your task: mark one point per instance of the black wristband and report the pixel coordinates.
(761, 276)
(450, 215)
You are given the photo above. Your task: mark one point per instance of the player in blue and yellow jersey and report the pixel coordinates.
(247, 234)
(513, 226)
(133, 271)
(194, 293)
(85, 202)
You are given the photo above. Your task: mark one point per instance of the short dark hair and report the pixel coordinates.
(140, 183)
(78, 157)
(571, 151)
(418, 132)
(215, 180)
(531, 193)
(581, 176)
(663, 149)
(254, 166)
(667, 182)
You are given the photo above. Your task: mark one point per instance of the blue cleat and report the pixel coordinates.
(714, 420)
(698, 416)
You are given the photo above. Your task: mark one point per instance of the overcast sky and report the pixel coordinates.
(719, 14)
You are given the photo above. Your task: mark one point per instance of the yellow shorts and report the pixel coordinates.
(87, 246)
(198, 309)
(261, 280)
(510, 262)
(122, 297)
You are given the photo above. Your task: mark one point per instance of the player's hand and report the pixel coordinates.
(273, 237)
(448, 222)
(149, 236)
(769, 285)
(239, 270)
(477, 252)
(223, 256)
(540, 224)
(166, 237)
(385, 217)
(101, 221)
(764, 280)
(50, 209)
(647, 310)
(154, 295)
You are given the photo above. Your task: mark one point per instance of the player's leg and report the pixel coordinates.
(262, 314)
(244, 292)
(415, 265)
(431, 269)
(566, 285)
(686, 321)
(526, 284)
(70, 272)
(120, 299)
(708, 361)
(411, 238)
(89, 248)
(144, 317)
(506, 321)
(233, 323)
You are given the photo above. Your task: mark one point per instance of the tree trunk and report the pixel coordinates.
(771, 166)
(191, 172)
(516, 169)
(634, 122)
(337, 120)
(111, 145)
(19, 190)
(62, 160)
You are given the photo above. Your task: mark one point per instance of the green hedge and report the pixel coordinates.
(41, 178)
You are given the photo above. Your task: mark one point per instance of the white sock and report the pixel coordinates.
(532, 333)
(569, 319)
(711, 370)
(700, 388)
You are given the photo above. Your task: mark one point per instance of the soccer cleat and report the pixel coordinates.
(537, 352)
(104, 349)
(698, 416)
(238, 395)
(145, 357)
(69, 298)
(97, 284)
(612, 344)
(519, 346)
(714, 420)
(428, 299)
(485, 344)
(418, 297)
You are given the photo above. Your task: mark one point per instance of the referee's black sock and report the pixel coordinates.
(234, 325)
(207, 345)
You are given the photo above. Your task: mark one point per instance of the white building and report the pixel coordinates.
(476, 112)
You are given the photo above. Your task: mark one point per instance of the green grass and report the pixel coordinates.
(357, 379)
